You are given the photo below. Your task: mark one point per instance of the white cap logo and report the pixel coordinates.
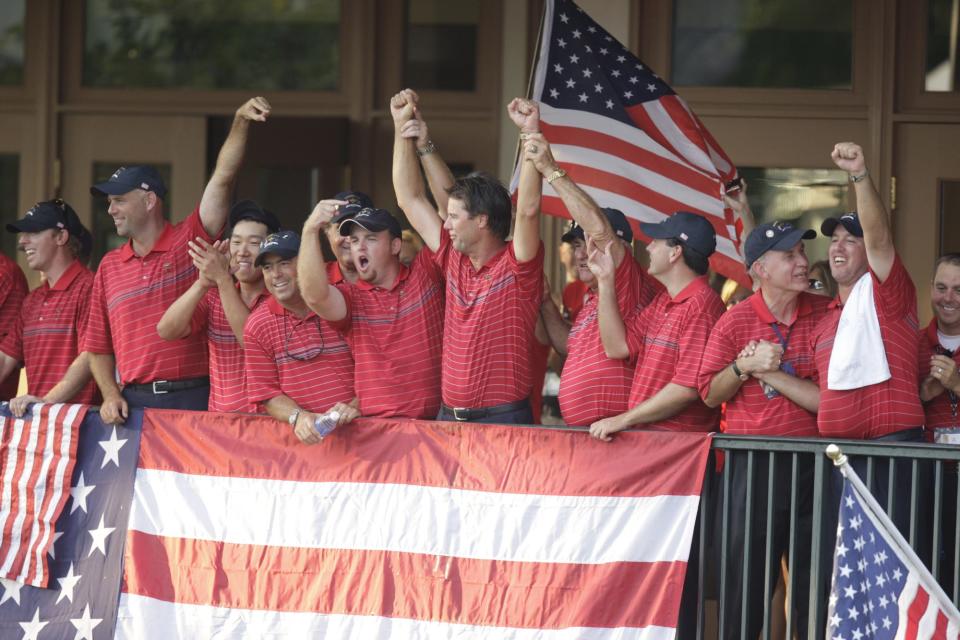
(683, 237)
(769, 233)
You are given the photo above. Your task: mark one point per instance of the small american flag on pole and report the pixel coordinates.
(880, 588)
(623, 134)
(37, 456)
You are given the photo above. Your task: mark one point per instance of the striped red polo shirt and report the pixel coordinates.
(593, 386)
(13, 289)
(131, 294)
(302, 358)
(943, 410)
(885, 407)
(334, 273)
(47, 333)
(751, 411)
(668, 339)
(395, 337)
(490, 317)
(227, 391)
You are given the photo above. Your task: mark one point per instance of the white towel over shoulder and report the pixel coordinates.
(858, 358)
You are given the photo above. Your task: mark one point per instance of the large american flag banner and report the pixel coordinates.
(37, 457)
(880, 587)
(406, 529)
(86, 544)
(623, 135)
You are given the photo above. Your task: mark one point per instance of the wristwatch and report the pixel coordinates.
(740, 374)
(293, 417)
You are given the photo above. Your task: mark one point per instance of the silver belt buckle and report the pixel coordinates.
(156, 391)
(456, 415)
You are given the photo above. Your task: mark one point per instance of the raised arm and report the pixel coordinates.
(556, 328)
(581, 206)
(325, 300)
(407, 182)
(439, 176)
(215, 203)
(877, 235)
(738, 203)
(613, 331)
(526, 229)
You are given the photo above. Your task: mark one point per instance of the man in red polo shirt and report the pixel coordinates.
(391, 318)
(760, 362)
(668, 336)
(940, 353)
(220, 300)
(13, 289)
(593, 386)
(494, 287)
(342, 269)
(137, 282)
(53, 318)
(297, 365)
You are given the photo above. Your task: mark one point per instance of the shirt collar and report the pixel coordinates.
(403, 274)
(67, 277)
(759, 305)
(696, 286)
(932, 334)
(279, 310)
(163, 243)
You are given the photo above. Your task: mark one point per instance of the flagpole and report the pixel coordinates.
(841, 461)
(533, 74)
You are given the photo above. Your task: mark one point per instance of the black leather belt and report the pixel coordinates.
(159, 387)
(907, 435)
(466, 415)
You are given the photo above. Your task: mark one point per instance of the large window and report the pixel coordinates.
(278, 45)
(441, 44)
(11, 41)
(943, 19)
(803, 44)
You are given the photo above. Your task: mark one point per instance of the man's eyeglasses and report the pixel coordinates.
(305, 347)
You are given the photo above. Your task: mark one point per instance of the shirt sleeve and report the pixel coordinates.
(83, 313)
(97, 337)
(13, 289)
(442, 254)
(262, 377)
(721, 349)
(635, 324)
(897, 295)
(192, 227)
(529, 274)
(12, 343)
(343, 325)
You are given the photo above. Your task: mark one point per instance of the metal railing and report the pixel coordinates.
(741, 525)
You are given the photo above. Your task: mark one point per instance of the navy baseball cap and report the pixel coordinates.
(250, 210)
(345, 211)
(126, 179)
(285, 244)
(773, 236)
(355, 197)
(50, 214)
(692, 230)
(621, 228)
(850, 222)
(372, 220)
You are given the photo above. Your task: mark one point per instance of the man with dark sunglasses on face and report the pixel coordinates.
(297, 365)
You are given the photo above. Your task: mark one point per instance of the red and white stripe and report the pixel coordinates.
(39, 453)
(922, 617)
(394, 529)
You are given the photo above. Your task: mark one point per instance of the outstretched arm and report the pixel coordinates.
(613, 331)
(439, 176)
(215, 203)
(407, 182)
(526, 229)
(666, 403)
(877, 235)
(325, 300)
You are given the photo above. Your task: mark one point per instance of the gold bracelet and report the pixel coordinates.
(559, 173)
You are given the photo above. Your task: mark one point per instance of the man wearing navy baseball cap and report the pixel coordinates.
(135, 283)
(297, 365)
(669, 334)
(216, 305)
(53, 318)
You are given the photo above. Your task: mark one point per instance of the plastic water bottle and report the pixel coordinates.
(326, 423)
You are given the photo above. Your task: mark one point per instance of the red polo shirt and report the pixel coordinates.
(593, 386)
(302, 358)
(750, 411)
(574, 297)
(227, 390)
(668, 337)
(941, 411)
(885, 407)
(395, 337)
(334, 273)
(131, 294)
(489, 323)
(13, 289)
(47, 333)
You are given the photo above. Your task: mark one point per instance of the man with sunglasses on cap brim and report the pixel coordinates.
(52, 321)
(13, 289)
(592, 386)
(297, 365)
(136, 283)
(494, 287)
(759, 360)
(668, 336)
(391, 318)
(230, 286)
